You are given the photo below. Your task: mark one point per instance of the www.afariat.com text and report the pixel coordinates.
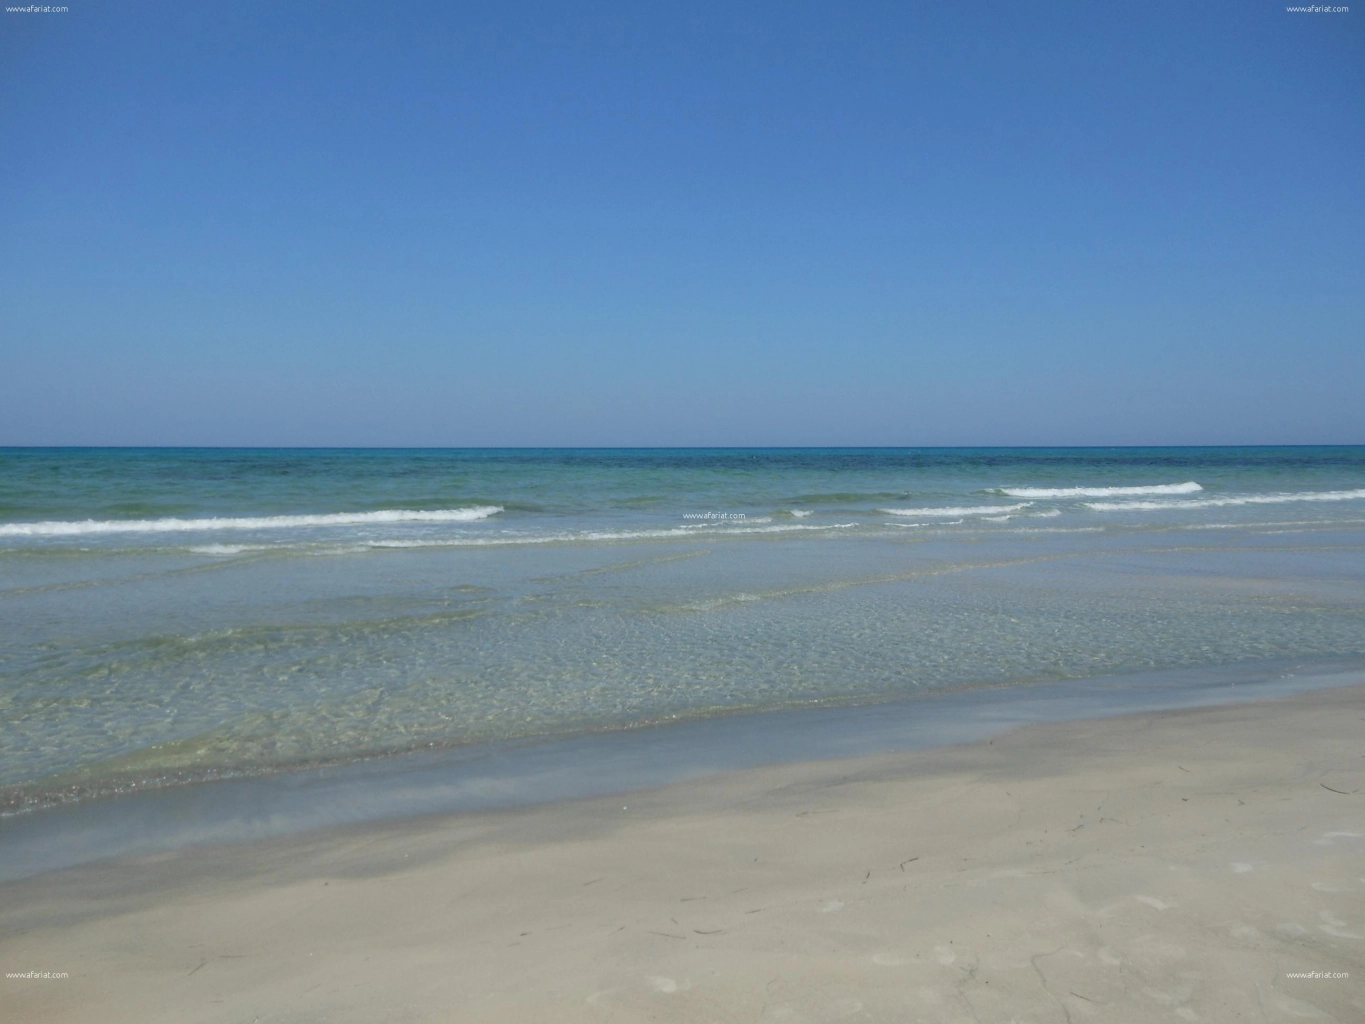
(1327, 975)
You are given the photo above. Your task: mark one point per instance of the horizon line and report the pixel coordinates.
(655, 448)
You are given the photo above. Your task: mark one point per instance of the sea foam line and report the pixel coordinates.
(384, 516)
(974, 510)
(687, 532)
(1188, 487)
(1245, 499)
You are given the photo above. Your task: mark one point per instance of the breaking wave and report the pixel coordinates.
(1245, 499)
(382, 517)
(974, 510)
(1189, 487)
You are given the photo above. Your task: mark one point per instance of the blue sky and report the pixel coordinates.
(657, 224)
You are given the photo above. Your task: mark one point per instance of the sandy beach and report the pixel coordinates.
(1174, 866)
(749, 513)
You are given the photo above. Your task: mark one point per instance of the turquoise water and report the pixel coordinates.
(173, 615)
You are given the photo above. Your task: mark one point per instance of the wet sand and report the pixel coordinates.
(1158, 867)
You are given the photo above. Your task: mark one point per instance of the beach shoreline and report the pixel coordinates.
(1158, 866)
(158, 818)
(177, 616)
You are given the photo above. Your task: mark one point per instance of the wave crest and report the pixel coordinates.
(1188, 487)
(382, 517)
(974, 510)
(1245, 499)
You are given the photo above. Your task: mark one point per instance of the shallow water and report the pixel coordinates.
(170, 616)
(500, 775)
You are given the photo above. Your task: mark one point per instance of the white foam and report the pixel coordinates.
(801, 513)
(1189, 487)
(1057, 529)
(382, 517)
(1257, 526)
(688, 532)
(1244, 499)
(974, 510)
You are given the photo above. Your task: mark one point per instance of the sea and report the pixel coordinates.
(181, 618)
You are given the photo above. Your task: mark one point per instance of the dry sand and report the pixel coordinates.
(1169, 867)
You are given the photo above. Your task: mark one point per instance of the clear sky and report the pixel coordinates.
(507, 223)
